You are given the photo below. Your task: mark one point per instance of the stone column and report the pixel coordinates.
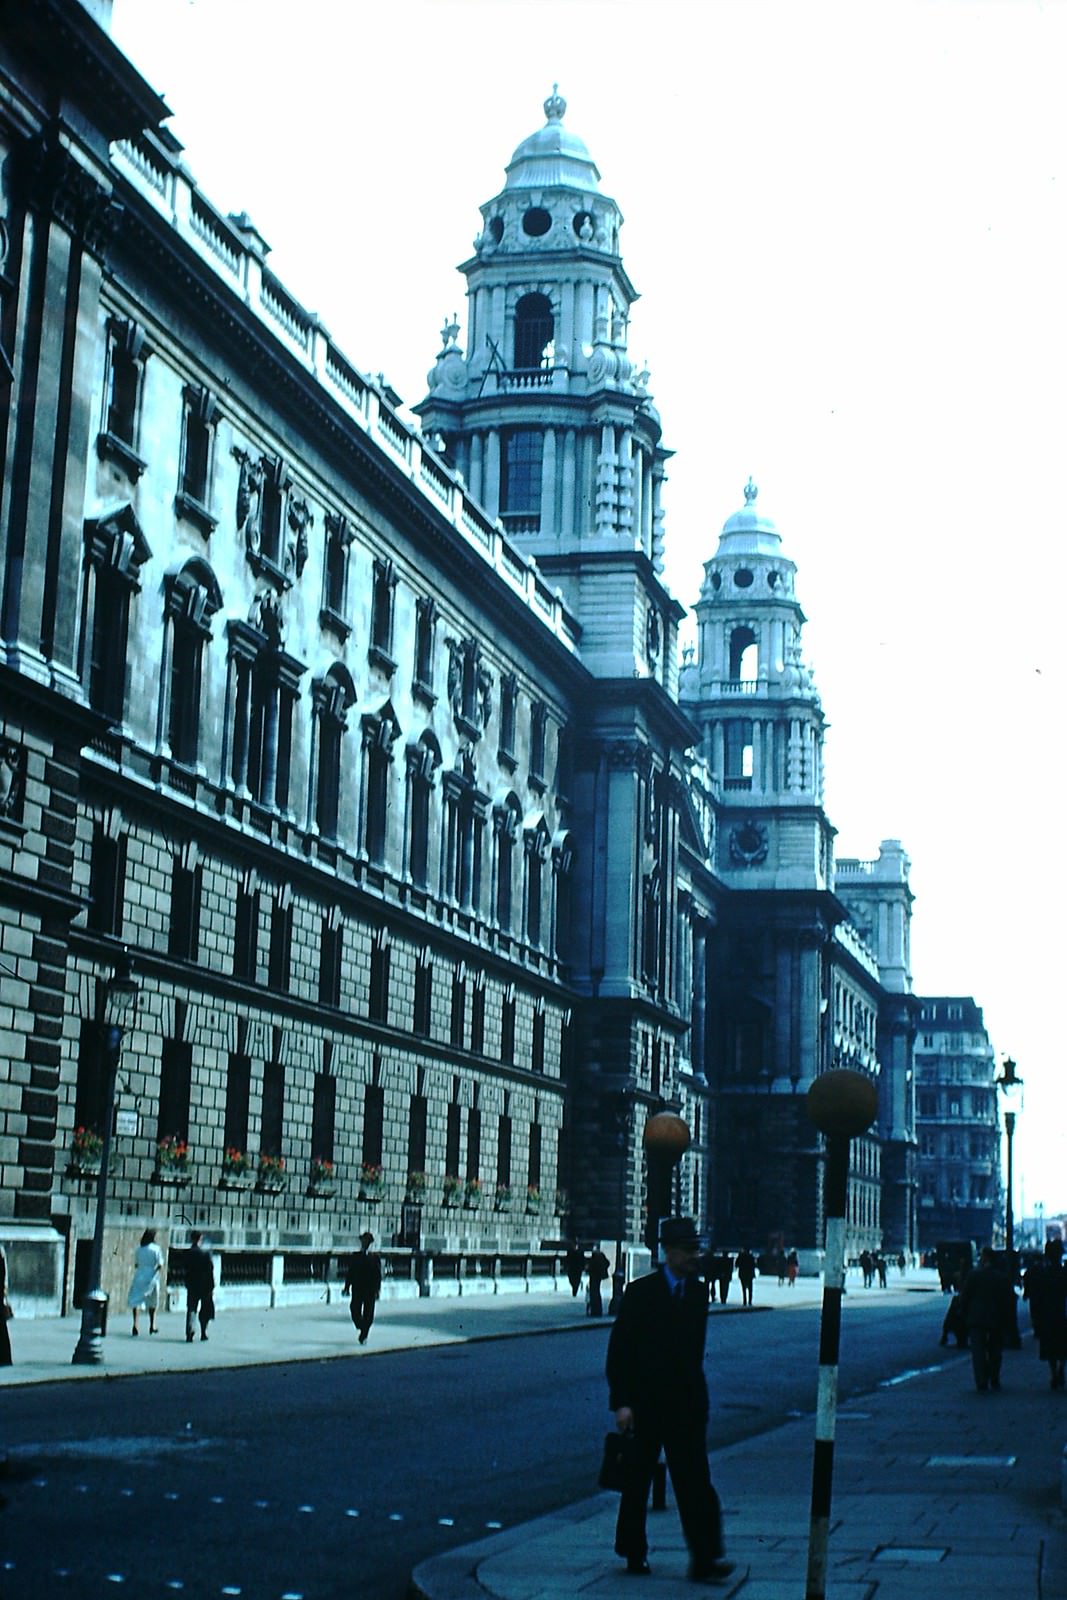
(548, 482)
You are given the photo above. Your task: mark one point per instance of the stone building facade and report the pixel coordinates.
(958, 1124)
(370, 746)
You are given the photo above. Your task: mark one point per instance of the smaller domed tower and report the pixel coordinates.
(759, 713)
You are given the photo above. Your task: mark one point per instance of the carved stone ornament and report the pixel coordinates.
(748, 843)
(249, 494)
(12, 780)
(265, 613)
(301, 518)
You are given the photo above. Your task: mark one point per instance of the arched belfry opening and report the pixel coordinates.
(535, 329)
(744, 655)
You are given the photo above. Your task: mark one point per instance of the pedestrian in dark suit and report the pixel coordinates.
(599, 1267)
(746, 1274)
(1045, 1287)
(655, 1371)
(364, 1281)
(987, 1305)
(199, 1288)
(574, 1266)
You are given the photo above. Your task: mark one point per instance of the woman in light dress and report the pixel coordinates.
(144, 1290)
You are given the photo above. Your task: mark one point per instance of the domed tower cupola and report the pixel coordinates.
(756, 703)
(544, 411)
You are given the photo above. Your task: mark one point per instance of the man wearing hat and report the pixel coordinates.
(655, 1371)
(365, 1282)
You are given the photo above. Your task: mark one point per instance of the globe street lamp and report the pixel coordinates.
(666, 1139)
(117, 1004)
(1011, 1091)
(842, 1104)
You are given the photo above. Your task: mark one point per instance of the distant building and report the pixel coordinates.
(957, 1122)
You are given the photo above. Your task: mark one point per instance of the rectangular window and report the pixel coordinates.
(246, 936)
(520, 473)
(459, 1008)
(537, 1047)
(339, 535)
(373, 1124)
(107, 882)
(538, 716)
(183, 935)
(452, 1137)
(474, 1142)
(272, 1120)
(509, 694)
(533, 1178)
(281, 940)
(423, 999)
(503, 1151)
(425, 618)
(381, 636)
(507, 1031)
(417, 1111)
(323, 1114)
(738, 734)
(238, 1087)
(90, 1095)
(175, 1083)
(478, 1019)
(331, 949)
(378, 998)
(198, 438)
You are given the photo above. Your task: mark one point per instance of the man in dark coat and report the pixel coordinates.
(574, 1266)
(199, 1287)
(599, 1267)
(364, 1281)
(746, 1274)
(1045, 1287)
(655, 1371)
(987, 1306)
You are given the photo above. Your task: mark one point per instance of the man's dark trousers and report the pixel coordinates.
(699, 1510)
(987, 1349)
(362, 1308)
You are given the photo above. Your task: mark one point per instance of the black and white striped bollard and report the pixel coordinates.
(841, 1104)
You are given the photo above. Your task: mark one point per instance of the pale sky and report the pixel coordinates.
(847, 223)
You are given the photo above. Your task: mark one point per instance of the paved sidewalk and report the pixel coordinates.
(938, 1492)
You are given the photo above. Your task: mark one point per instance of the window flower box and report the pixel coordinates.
(472, 1193)
(321, 1182)
(270, 1175)
(172, 1161)
(236, 1170)
(86, 1150)
(416, 1188)
(502, 1197)
(452, 1189)
(371, 1181)
(533, 1200)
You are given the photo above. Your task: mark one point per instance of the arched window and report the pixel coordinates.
(115, 551)
(192, 599)
(423, 760)
(331, 698)
(743, 655)
(379, 735)
(535, 328)
(506, 821)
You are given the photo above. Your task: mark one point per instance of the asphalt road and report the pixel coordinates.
(319, 1480)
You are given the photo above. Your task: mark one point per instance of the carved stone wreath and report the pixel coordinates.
(748, 843)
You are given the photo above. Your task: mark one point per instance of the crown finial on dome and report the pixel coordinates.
(751, 491)
(555, 105)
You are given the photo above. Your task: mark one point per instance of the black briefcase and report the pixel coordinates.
(618, 1449)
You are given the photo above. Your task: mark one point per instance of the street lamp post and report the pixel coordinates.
(1010, 1087)
(118, 1001)
(842, 1104)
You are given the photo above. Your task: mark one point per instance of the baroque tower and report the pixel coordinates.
(555, 432)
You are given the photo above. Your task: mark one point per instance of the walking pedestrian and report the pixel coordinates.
(792, 1268)
(599, 1267)
(883, 1271)
(199, 1287)
(5, 1315)
(725, 1272)
(987, 1305)
(867, 1268)
(1045, 1287)
(746, 1274)
(901, 1263)
(657, 1390)
(364, 1281)
(144, 1287)
(574, 1266)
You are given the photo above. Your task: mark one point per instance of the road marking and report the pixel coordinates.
(261, 1505)
(169, 1494)
(446, 1522)
(906, 1377)
(396, 1516)
(305, 1508)
(218, 1500)
(127, 1494)
(351, 1513)
(494, 1524)
(115, 1577)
